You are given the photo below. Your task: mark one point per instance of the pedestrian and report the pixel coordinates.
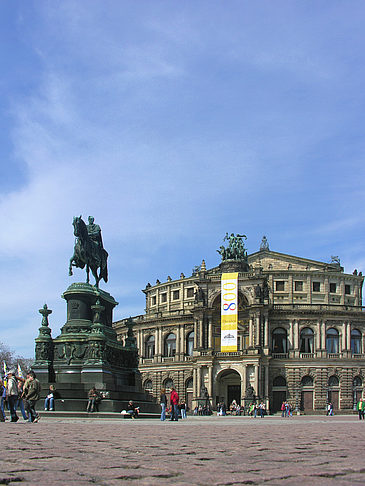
(12, 394)
(262, 410)
(251, 410)
(163, 403)
(31, 394)
(183, 409)
(359, 408)
(174, 399)
(283, 409)
(2, 401)
(20, 402)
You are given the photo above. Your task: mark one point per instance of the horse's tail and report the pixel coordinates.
(104, 266)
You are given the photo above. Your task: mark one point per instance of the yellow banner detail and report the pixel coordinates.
(229, 311)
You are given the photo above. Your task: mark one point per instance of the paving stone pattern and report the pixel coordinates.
(196, 451)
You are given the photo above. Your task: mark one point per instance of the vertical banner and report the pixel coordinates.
(229, 312)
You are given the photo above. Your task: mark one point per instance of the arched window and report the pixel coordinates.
(189, 384)
(279, 341)
(168, 384)
(170, 345)
(279, 381)
(307, 381)
(332, 341)
(307, 340)
(150, 347)
(333, 381)
(357, 381)
(148, 385)
(356, 341)
(190, 343)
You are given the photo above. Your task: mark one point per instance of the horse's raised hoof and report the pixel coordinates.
(70, 273)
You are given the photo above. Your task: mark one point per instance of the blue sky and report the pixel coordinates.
(172, 123)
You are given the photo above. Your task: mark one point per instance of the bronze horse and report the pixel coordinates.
(88, 253)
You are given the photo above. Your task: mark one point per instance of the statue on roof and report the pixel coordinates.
(236, 248)
(335, 260)
(264, 244)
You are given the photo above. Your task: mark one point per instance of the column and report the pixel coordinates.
(266, 381)
(348, 333)
(201, 321)
(322, 337)
(195, 333)
(257, 392)
(210, 382)
(159, 342)
(250, 332)
(210, 332)
(243, 382)
(156, 344)
(266, 343)
(198, 381)
(344, 337)
(266, 388)
(194, 383)
(183, 343)
(177, 333)
(291, 335)
(258, 330)
(296, 335)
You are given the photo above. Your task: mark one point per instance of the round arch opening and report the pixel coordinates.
(228, 387)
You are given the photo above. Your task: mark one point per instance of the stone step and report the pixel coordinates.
(85, 415)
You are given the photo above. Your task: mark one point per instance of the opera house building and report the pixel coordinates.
(271, 325)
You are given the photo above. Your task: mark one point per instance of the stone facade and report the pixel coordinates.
(301, 334)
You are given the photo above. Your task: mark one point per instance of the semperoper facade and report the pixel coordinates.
(300, 332)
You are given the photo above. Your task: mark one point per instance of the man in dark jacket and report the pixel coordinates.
(174, 399)
(31, 393)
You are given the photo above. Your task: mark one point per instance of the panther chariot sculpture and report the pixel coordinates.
(89, 251)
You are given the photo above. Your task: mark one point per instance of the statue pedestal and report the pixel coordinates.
(87, 354)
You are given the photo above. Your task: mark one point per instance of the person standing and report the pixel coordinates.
(12, 394)
(94, 400)
(2, 400)
(19, 402)
(262, 410)
(31, 394)
(163, 403)
(183, 409)
(174, 398)
(360, 409)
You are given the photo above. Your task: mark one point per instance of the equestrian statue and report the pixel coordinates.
(89, 250)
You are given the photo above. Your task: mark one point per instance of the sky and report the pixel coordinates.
(173, 123)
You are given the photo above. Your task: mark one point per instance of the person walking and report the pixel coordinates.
(31, 394)
(163, 403)
(174, 399)
(12, 394)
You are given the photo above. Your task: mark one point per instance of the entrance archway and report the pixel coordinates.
(278, 393)
(228, 387)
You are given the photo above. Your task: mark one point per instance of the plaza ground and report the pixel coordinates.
(305, 450)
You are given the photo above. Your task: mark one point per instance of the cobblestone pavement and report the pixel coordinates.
(195, 451)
